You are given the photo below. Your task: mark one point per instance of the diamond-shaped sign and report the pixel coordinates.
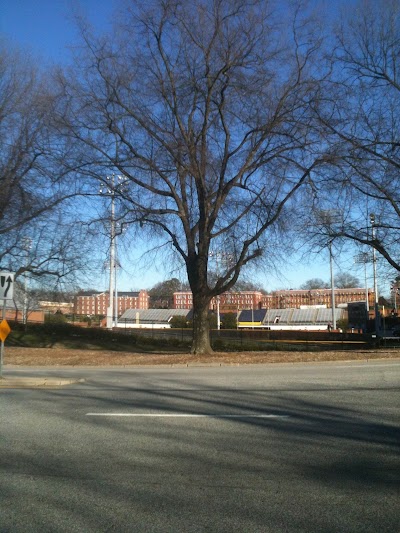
(4, 330)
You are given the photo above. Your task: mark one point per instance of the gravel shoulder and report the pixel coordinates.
(69, 357)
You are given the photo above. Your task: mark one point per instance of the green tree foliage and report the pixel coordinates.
(229, 321)
(55, 318)
(342, 324)
(179, 322)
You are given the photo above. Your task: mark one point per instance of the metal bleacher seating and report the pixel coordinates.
(301, 316)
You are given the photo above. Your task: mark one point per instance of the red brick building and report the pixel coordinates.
(66, 308)
(285, 299)
(183, 300)
(96, 303)
(36, 315)
(232, 301)
(228, 302)
(294, 299)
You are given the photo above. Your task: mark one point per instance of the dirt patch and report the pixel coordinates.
(69, 357)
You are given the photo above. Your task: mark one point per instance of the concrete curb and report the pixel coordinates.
(33, 383)
(46, 382)
(200, 364)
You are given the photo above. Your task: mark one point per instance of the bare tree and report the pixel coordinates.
(162, 294)
(204, 108)
(39, 229)
(345, 280)
(23, 102)
(314, 283)
(361, 121)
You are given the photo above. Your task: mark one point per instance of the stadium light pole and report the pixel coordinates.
(332, 287)
(115, 282)
(217, 256)
(364, 258)
(27, 244)
(110, 308)
(394, 289)
(108, 189)
(376, 306)
(113, 185)
(327, 218)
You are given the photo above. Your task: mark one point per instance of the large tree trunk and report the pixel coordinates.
(201, 326)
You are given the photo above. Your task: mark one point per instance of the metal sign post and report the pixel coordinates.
(6, 293)
(3, 316)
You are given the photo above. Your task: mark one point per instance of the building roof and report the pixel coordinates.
(290, 316)
(148, 316)
(88, 293)
(255, 315)
(313, 291)
(129, 294)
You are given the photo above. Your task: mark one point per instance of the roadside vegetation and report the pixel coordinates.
(71, 337)
(229, 135)
(68, 336)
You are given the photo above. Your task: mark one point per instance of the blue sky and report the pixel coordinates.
(46, 29)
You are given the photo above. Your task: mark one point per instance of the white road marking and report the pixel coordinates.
(370, 363)
(186, 415)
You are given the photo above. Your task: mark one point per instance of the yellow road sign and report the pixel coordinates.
(4, 330)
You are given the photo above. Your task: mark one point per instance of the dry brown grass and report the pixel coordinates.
(69, 357)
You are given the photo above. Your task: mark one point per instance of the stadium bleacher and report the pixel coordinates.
(310, 318)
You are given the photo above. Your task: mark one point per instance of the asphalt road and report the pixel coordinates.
(274, 448)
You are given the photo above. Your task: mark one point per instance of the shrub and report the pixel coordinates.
(57, 318)
(179, 322)
(343, 324)
(229, 321)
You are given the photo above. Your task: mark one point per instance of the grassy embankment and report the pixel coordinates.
(73, 337)
(69, 336)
